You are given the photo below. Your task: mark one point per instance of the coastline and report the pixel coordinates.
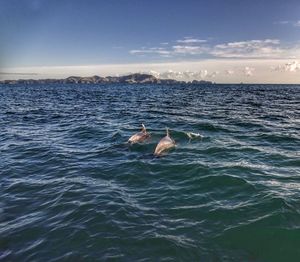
(127, 79)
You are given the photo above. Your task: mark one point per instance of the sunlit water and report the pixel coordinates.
(73, 190)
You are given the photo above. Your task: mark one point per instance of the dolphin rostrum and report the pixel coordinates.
(164, 144)
(140, 136)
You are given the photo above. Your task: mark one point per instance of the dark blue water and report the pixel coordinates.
(73, 190)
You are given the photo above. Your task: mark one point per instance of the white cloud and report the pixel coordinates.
(152, 50)
(284, 22)
(203, 73)
(213, 74)
(288, 22)
(183, 75)
(297, 23)
(229, 72)
(260, 49)
(153, 72)
(189, 50)
(188, 40)
(174, 50)
(293, 66)
(186, 46)
(267, 48)
(276, 68)
(248, 71)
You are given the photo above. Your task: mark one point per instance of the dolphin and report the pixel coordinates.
(140, 136)
(164, 144)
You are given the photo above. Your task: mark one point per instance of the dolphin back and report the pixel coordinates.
(163, 145)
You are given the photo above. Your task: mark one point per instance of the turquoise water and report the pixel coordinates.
(73, 190)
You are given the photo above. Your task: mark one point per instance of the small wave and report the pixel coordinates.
(214, 128)
(263, 241)
(278, 138)
(192, 135)
(178, 240)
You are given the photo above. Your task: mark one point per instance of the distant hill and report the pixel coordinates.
(128, 79)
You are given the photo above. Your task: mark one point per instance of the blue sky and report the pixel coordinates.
(209, 39)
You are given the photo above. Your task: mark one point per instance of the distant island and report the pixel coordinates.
(127, 79)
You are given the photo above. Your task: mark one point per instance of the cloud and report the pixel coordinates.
(189, 40)
(293, 66)
(213, 74)
(189, 50)
(152, 50)
(288, 22)
(297, 24)
(180, 75)
(229, 72)
(186, 46)
(19, 74)
(267, 48)
(184, 75)
(203, 73)
(174, 50)
(152, 72)
(259, 49)
(248, 71)
(282, 22)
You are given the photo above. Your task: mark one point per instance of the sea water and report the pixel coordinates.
(72, 189)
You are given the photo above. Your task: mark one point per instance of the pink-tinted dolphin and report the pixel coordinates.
(140, 136)
(164, 144)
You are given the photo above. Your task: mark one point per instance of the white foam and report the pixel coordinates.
(192, 135)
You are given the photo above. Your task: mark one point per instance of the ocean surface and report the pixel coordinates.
(72, 189)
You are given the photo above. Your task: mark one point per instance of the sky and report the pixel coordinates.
(225, 41)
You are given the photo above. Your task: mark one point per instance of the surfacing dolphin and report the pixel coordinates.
(140, 136)
(164, 144)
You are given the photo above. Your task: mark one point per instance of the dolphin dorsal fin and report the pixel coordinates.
(143, 128)
(167, 130)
